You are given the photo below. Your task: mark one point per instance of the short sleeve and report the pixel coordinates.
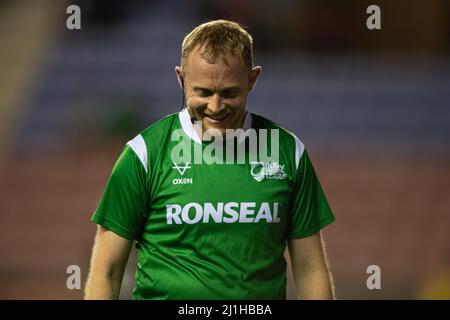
(123, 206)
(309, 209)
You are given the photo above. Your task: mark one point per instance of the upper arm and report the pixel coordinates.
(307, 253)
(123, 206)
(110, 253)
(309, 208)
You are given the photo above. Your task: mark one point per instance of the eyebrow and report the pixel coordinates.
(229, 88)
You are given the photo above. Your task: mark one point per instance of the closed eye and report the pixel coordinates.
(203, 92)
(230, 93)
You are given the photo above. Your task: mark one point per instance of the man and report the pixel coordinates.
(211, 230)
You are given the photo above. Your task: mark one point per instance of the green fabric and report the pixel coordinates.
(223, 235)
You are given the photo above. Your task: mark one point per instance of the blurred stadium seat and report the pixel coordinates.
(377, 125)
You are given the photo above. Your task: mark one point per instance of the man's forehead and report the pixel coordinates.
(202, 58)
(206, 86)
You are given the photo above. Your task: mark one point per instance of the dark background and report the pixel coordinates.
(372, 107)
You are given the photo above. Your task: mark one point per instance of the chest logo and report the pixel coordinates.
(262, 170)
(181, 169)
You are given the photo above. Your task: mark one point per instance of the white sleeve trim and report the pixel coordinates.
(299, 149)
(140, 149)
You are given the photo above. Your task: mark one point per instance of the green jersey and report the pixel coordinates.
(211, 230)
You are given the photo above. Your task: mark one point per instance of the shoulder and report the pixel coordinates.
(288, 141)
(150, 140)
(159, 129)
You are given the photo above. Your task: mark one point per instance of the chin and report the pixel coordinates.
(219, 128)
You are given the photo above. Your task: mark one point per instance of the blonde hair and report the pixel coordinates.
(219, 37)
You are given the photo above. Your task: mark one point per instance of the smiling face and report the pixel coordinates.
(216, 89)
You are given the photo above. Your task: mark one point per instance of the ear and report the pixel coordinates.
(180, 77)
(253, 77)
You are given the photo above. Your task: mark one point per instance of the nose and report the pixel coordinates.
(215, 104)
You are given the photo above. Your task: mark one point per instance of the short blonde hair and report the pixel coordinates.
(219, 37)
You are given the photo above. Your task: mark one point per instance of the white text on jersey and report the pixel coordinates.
(230, 212)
